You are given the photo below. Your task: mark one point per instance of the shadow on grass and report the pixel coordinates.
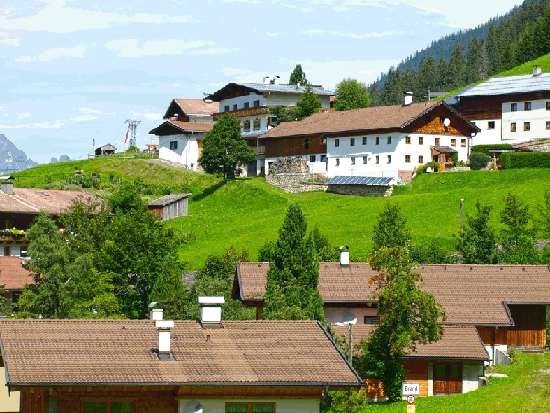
(208, 191)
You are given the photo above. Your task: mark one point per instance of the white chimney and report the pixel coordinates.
(344, 256)
(408, 99)
(7, 187)
(156, 314)
(211, 311)
(266, 80)
(537, 70)
(297, 84)
(277, 79)
(164, 327)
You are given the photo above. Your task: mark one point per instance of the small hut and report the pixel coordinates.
(105, 150)
(170, 206)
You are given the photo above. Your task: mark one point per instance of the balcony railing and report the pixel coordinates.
(239, 113)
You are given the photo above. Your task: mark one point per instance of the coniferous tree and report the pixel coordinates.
(426, 77)
(518, 237)
(308, 104)
(472, 62)
(479, 245)
(374, 95)
(297, 75)
(169, 290)
(457, 65)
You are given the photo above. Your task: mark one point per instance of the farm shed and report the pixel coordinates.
(170, 206)
(105, 150)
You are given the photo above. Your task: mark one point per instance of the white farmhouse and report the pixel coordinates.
(181, 135)
(250, 103)
(509, 109)
(384, 141)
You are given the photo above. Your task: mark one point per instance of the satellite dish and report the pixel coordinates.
(447, 122)
(193, 406)
(343, 317)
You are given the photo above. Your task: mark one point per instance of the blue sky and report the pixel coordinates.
(74, 71)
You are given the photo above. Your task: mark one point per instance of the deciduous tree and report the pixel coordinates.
(351, 94)
(391, 229)
(479, 245)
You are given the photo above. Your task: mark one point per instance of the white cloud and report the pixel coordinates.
(24, 115)
(87, 110)
(25, 59)
(3, 107)
(341, 8)
(40, 125)
(271, 34)
(290, 6)
(83, 118)
(147, 115)
(54, 53)
(313, 32)
(306, 9)
(131, 48)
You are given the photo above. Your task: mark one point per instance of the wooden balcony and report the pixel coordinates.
(12, 238)
(239, 113)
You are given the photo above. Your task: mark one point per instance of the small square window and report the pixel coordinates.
(312, 158)
(256, 103)
(353, 161)
(364, 160)
(513, 107)
(420, 159)
(257, 124)
(377, 158)
(352, 142)
(547, 125)
(324, 140)
(389, 140)
(408, 158)
(491, 125)
(324, 158)
(247, 126)
(377, 141)
(437, 141)
(389, 158)
(421, 140)
(513, 127)
(234, 107)
(527, 126)
(226, 108)
(336, 143)
(407, 139)
(453, 142)
(306, 143)
(526, 105)
(337, 161)
(247, 105)
(173, 145)
(364, 141)
(371, 319)
(547, 105)
(463, 143)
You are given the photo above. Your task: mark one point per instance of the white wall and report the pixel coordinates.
(8, 403)
(201, 118)
(281, 406)
(263, 124)
(502, 347)
(187, 152)
(15, 249)
(397, 149)
(269, 99)
(240, 101)
(487, 136)
(471, 371)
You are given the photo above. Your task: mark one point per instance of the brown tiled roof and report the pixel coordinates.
(182, 126)
(458, 342)
(197, 106)
(13, 275)
(470, 294)
(34, 200)
(374, 118)
(78, 352)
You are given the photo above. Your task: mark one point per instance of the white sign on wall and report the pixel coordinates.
(410, 389)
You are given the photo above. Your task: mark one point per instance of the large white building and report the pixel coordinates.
(181, 135)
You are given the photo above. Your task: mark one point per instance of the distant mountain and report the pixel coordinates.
(13, 159)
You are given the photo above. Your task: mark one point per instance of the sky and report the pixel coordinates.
(75, 71)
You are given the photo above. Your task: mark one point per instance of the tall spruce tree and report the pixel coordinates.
(457, 65)
(479, 245)
(293, 276)
(374, 95)
(169, 290)
(297, 75)
(518, 236)
(308, 104)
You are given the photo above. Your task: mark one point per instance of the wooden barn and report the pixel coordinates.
(105, 150)
(170, 206)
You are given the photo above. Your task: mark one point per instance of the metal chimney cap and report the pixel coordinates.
(154, 303)
(211, 300)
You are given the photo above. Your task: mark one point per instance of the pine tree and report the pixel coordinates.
(426, 77)
(297, 76)
(518, 237)
(479, 245)
(169, 290)
(442, 73)
(308, 104)
(472, 62)
(374, 95)
(457, 65)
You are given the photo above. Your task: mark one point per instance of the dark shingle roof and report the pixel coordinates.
(175, 126)
(360, 180)
(443, 149)
(261, 87)
(168, 199)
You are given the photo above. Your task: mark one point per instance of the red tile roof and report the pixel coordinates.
(34, 200)
(79, 352)
(13, 275)
(197, 106)
(176, 126)
(470, 294)
(461, 342)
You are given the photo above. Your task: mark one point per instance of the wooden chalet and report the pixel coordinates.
(170, 206)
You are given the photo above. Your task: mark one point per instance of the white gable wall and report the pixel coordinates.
(187, 152)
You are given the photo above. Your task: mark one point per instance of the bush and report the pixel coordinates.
(422, 168)
(478, 160)
(510, 160)
(483, 148)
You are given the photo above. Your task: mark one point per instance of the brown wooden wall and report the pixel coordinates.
(435, 126)
(490, 107)
(417, 373)
(275, 148)
(530, 326)
(486, 335)
(19, 221)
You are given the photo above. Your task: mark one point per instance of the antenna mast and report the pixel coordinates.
(132, 126)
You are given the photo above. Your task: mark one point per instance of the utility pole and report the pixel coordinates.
(132, 126)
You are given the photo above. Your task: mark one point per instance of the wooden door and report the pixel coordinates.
(447, 378)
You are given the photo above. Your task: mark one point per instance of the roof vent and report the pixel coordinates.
(266, 80)
(7, 187)
(211, 311)
(408, 99)
(537, 70)
(164, 327)
(344, 256)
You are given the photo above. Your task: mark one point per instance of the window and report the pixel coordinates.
(247, 126)
(389, 158)
(408, 158)
(324, 158)
(353, 161)
(364, 141)
(513, 107)
(23, 251)
(364, 160)
(408, 140)
(491, 125)
(247, 105)
(306, 143)
(527, 126)
(249, 407)
(377, 140)
(437, 141)
(173, 145)
(336, 143)
(420, 159)
(108, 407)
(234, 107)
(547, 105)
(324, 140)
(377, 158)
(526, 105)
(389, 140)
(7, 250)
(421, 140)
(226, 108)
(312, 158)
(513, 127)
(256, 103)
(352, 142)
(257, 124)
(7, 224)
(337, 161)
(453, 142)
(371, 319)
(547, 125)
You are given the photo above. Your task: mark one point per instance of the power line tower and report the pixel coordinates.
(132, 126)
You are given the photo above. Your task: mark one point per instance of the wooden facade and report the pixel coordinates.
(172, 210)
(432, 124)
(490, 107)
(417, 373)
(280, 147)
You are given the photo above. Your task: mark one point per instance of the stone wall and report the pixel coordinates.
(288, 165)
(296, 183)
(361, 190)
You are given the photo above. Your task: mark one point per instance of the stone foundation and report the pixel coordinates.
(361, 190)
(288, 165)
(295, 183)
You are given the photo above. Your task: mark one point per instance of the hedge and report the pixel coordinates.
(483, 148)
(511, 160)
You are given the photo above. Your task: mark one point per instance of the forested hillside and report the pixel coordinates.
(470, 56)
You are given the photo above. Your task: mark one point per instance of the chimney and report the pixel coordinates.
(344, 256)
(7, 187)
(297, 84)
(276, 80)
(408, 99)
(155, 313)
(164, 327)
(211, 311)
(537, 70)
(266, 80)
